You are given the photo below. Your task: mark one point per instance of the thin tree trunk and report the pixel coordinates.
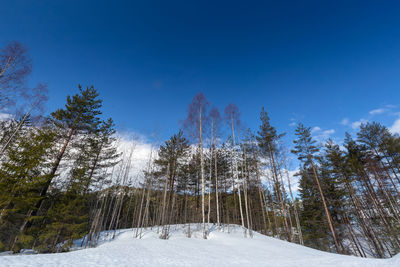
(237, 178)
(328, 215)
(216, 188)
(202, 173)
(278, 190)
(259, 185)
(163, 234)
(296, 215)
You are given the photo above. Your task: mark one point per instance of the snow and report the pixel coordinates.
(220, 249)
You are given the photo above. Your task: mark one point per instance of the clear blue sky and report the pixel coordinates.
(318, 62)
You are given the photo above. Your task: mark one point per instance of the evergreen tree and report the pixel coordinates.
(79, 116)
(333, 178)
(312, 217)
(268, 142)
(306, 150)
(22, 177)
(172, 158)
(71, 216)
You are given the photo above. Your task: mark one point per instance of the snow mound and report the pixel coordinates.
(222, 248)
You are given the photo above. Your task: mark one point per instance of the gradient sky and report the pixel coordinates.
(328, 64)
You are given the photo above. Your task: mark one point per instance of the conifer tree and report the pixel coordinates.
(268, 141)
(306, 150)
(172, 157)
(80, 115)
(22, 176)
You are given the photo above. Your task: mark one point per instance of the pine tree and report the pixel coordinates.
(306, 150)
(22, 176)
(312, 216)
(375, 139)
(333, 183)
(79, 116)
(68, 219)
(268, 141)
(172, 157)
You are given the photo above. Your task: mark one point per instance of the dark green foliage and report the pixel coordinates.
(267, 136)
(32, 214)
(22, 177)
(172, 154)
(66, 221)
(81, 111)
(314, 225)
(304, 145)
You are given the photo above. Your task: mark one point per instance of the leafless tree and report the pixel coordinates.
(195, 124)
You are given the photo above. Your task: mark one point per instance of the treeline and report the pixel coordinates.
(63, 178)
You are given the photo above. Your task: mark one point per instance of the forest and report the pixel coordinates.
(63, 176)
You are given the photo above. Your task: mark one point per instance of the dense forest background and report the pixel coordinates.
(63, 176)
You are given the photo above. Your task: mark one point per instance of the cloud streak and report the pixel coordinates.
(377, 111)
(355, 125)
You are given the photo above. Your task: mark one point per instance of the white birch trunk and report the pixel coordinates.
(202, 175)
(237, 178)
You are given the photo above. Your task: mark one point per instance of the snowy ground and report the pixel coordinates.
(220, 249)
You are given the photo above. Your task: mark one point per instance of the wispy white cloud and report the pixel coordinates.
(377, 111)
(328, 132)
(324, 135)
(355, 125)
(345, 121)
(321, 135)
(390, 106)
(316, 129)
(386, 109)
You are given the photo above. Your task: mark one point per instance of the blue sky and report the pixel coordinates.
(328, 64)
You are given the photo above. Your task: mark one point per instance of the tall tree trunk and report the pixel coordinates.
(328, 215)
(296, 215)
(164, 205)
(216, 188)
(49, 180)
(245, 178)
(259, 185)
(278, 190)
(202, 173)
(237, 178)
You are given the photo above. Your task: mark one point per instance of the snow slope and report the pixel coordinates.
(220, 249)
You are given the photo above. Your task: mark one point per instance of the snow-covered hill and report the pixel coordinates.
(220, 249)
